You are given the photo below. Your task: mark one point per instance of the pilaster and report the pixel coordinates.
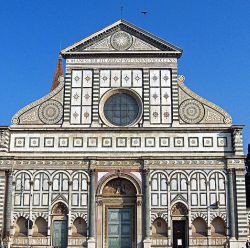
(231, 203)
(146, 108)
(67, 95)
(91, 221)
(237, 140)
(95, 99)
(175, 96)
(146, 209)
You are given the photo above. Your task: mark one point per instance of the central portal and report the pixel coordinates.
(120, 227)
(119, 213)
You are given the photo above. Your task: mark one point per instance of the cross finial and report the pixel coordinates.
(121, 12)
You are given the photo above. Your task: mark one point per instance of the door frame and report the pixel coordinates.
(186, 237)
(118, 201)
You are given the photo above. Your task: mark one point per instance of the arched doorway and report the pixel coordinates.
(117, 212)
(60, 225)
(179, 214)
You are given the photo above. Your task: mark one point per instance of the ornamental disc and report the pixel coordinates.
(50, 112)
(191, 111)
(121, 40)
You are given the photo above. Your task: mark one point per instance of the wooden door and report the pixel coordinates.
(120, 227)
(60, 231)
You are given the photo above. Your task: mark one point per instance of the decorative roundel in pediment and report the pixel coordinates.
(191, 111)
(50, 112)
(121, 40)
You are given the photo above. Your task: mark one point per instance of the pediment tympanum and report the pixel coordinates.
(122, 37)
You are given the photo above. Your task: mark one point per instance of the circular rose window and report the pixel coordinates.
(121, 108)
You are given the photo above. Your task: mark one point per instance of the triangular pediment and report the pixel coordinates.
(121, 37)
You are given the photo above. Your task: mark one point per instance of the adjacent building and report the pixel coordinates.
(122, 154)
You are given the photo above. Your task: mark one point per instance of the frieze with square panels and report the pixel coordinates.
(153, 142)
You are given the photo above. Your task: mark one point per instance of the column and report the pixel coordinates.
(231, 203)
(91, 215)
(146, 209)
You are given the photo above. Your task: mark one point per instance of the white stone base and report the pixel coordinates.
(91, 243)
(147, 243)
(237, 243)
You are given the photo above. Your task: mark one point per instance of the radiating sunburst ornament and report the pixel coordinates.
(121, 41)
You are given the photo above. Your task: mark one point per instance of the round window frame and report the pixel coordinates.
(112, 92)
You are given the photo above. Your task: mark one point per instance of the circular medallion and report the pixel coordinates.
(121, 41)
(50, 112)
(121, 108)
(191, 111)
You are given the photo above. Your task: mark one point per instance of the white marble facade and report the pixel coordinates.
(122, 155)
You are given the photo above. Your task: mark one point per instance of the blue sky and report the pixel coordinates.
(214, 34)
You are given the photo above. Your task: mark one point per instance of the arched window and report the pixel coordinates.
(217, 194)
(199, 227)
(79, 227)
(22, 189)
(218, 227)
(60, 182)
(20, 227)
(178, 185)
(41, 189)
(40, 227)
(198, 190)
(159, 190)
(79, 190)
(159, 228)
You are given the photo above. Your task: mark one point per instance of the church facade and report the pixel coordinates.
(122, 154)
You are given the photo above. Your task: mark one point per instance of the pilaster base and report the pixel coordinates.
(91, 243)
(147, 243)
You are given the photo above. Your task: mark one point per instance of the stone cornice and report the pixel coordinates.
(181, 162)
(115, 129)
(40, 164)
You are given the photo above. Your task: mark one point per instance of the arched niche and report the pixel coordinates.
(199, 227)
(79, 227)
(218, 227)
(40, 228)
(159, 228)
(21, 229)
